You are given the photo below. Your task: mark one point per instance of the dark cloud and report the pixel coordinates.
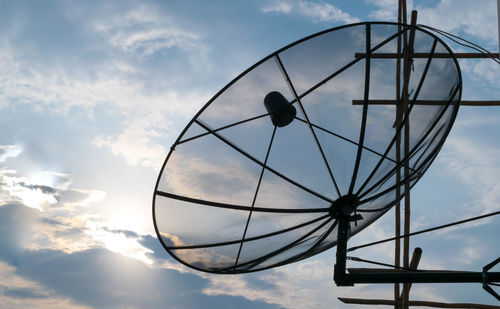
(154, 245)
(102, 279)
(51, 221)
(127, 233)
(21, 292)
(70, 233)
(42, 188)
(15, 226)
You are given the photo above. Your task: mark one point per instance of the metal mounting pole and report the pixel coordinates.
(342, 278)
(339, 275)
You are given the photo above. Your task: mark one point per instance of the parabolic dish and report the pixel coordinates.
(250, 182)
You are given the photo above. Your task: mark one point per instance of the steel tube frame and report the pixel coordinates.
(421, 277)
(342, 278)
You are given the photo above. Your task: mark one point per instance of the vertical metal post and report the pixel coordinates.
(341, 210)
(340, 263)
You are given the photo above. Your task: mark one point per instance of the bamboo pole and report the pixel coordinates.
(426, 55)
(415, 259)
(397, 211)
(408, 51)
(406, 302)
(430, 102)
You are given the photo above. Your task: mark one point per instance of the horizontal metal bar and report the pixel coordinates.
(425, 55)
(364, 301)
(431, 102)
(434, 304)
(239, 207)
(421, 277)
(390, 270)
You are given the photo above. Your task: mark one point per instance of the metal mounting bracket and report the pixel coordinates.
(486, 286)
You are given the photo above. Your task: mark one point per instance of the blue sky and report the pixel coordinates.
(92, 95)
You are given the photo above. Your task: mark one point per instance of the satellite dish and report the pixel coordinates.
(254, 180)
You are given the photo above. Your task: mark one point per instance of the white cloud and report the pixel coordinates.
(485, 70)
(59, 89)
(62, 219)
(119, 242)
(472, 252)
(284, 7)
(475, 164)
(89, 197)
(143, 31)
(9, 151)
(65, 226)
(35, 192)
(115, 78)
(454, 16)
(136, 146)
(387, 10)
(317, 12)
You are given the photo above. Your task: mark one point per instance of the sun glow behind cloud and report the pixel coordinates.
(49, 193)
(119, 242)
(36, 191)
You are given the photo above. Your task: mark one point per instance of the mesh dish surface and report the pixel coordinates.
(238, 193)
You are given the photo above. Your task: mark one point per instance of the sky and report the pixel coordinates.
(92, 96)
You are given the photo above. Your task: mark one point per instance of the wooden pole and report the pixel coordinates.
(415, 259)
(426, 55)
(415, 303)
(403, 97)
(429, 102)
(408, 51)
(397, 211)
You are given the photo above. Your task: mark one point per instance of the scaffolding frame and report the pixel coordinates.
(407, 274)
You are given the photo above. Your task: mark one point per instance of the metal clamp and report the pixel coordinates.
(486, 282)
